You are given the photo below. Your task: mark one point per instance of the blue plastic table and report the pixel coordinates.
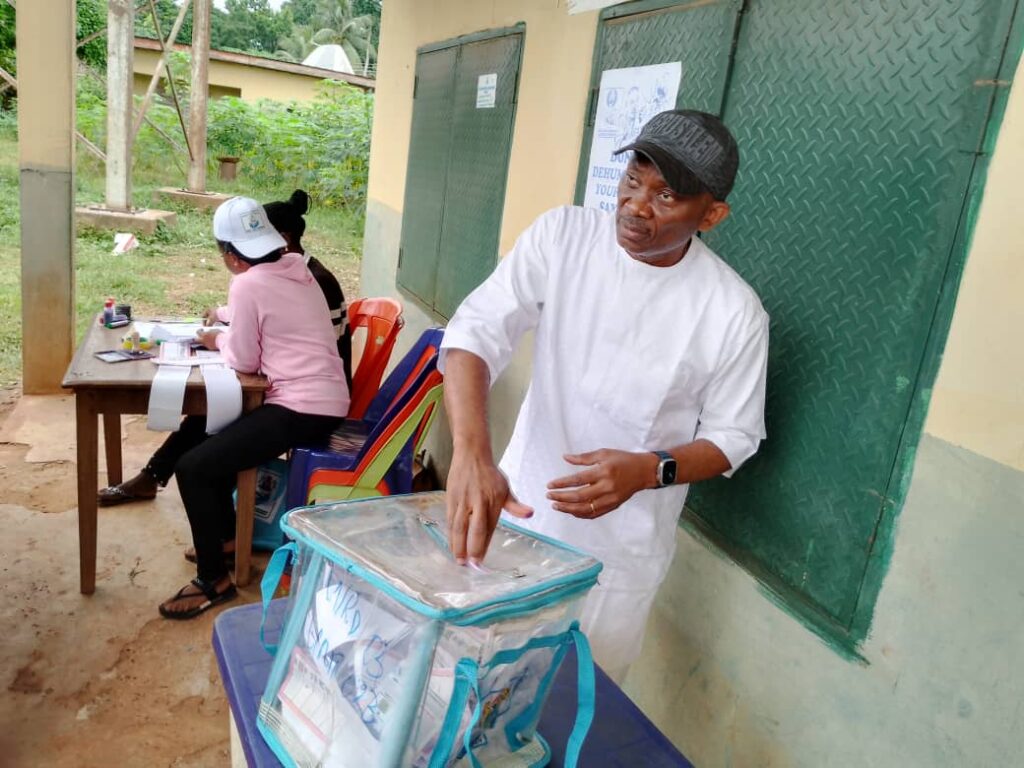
(620, 736)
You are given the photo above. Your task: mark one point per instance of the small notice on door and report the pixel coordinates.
(486, 90)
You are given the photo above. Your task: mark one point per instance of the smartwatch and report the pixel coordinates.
(666, 474)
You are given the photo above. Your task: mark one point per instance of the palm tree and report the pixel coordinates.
(298, 45)
(339, 26)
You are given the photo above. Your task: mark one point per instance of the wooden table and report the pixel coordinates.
(115, 388)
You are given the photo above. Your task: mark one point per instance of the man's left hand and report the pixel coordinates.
(610, 478)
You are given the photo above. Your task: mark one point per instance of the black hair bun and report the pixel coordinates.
(299, 201)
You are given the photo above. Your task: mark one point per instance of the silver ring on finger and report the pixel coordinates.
(592, 510)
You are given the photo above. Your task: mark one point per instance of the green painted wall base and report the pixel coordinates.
(734, 681)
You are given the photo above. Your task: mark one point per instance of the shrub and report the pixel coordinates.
(322, 146)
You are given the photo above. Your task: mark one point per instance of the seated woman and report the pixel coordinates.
(279, 326)
(286, 216)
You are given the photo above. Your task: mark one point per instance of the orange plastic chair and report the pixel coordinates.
(382, 319)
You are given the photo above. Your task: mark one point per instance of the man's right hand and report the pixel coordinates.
(209, 316)
(477, 492)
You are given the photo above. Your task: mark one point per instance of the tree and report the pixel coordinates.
(7, 59)
(248, 25)
(302, 11)
(339, 25)
(298, 45)
(167, 12)
(371, 8)
(91, 16)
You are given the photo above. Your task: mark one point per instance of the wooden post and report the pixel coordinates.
(120, 106)
(200, 89)
(46, 157)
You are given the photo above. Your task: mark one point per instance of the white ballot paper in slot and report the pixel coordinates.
(223, 397)
(166, 398)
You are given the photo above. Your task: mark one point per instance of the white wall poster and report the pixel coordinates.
(486, 90)
(627, 99)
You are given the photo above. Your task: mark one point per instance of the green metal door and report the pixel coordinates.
(463, 113)
(429, 148)
(859, 125)
(478, 169)
(698, 34)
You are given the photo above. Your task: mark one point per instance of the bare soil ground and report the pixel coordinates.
(99, 680)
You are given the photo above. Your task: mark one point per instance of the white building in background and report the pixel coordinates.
(331, 57)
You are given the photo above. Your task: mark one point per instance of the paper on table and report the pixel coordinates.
(167, 330)
(223, 397)
(166, 397)
(181, 353)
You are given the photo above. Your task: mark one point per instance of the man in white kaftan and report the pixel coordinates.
(646, 341)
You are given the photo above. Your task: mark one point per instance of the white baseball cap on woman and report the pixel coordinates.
(242, 222)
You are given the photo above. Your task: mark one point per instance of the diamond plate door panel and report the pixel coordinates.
(857, 123)
(478, 168)
(429, 149)
(699, 35)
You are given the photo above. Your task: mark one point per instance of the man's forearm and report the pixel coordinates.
(696, 461)
(466, 385)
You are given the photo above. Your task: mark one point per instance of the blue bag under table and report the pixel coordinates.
(620, 736)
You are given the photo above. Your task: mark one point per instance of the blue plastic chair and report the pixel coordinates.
(413, 380)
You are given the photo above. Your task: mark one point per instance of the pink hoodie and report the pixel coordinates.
(281, 327)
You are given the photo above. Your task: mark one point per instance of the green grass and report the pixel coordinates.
(178, 271)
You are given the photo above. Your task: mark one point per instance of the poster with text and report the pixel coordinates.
(627, 99)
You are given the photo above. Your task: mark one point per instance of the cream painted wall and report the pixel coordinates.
(254, 83)
(543, 160)
(978, 401)
(552, 97)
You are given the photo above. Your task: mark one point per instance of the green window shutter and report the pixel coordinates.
(858, 127)
(458, 165)
(482, 138)
(429, 148)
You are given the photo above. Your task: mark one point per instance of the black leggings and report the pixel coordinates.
(207, 468)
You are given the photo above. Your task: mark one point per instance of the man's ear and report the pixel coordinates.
(716, 213)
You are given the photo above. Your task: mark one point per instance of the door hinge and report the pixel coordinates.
(415, 85)
(399, 258)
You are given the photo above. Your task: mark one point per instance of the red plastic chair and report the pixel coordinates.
(382, 319)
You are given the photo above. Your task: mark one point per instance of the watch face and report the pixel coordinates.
(668, 473)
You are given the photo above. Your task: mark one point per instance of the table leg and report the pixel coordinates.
(244, 517)
(88, 460)
(112, 441)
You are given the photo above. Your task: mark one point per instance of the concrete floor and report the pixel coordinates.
(98, 680)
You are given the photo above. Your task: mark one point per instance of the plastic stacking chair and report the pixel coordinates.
(382, 319)
(374, 456)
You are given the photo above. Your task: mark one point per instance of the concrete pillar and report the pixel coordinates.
(200, 89)
(120, 106)
(46, 156)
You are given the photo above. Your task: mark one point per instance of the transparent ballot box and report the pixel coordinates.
(394, 655)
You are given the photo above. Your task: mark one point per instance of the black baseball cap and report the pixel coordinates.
(684, 140)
